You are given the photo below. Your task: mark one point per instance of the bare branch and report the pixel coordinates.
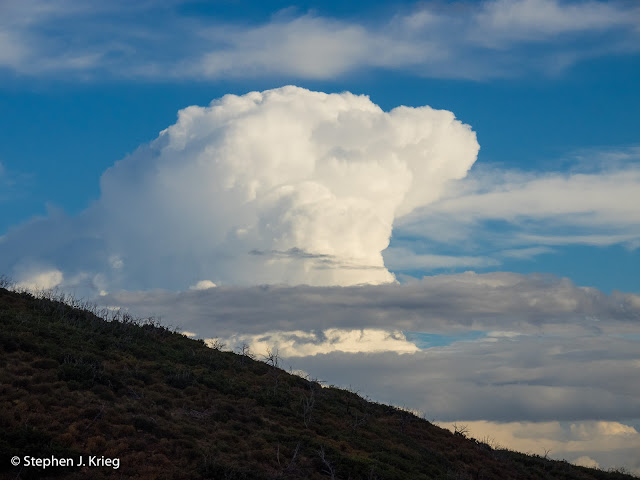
(461, 430)
(329, 468)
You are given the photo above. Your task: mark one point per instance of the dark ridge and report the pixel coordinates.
(75, 383)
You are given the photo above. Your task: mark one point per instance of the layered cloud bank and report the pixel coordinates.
(500, 347)
(496, 302)
(305, 343)
(532, 362)
(282, 186)
(614, 444)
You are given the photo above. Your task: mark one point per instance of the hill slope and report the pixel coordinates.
(165, 406)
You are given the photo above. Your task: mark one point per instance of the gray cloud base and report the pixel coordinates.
(555, 366)
(550, 350)
(444, 303)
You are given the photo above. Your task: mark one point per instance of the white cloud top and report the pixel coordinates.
(203, 285)
(34, 279)
(282, 186)
(301, 343)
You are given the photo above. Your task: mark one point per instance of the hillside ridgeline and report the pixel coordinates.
(74, 384)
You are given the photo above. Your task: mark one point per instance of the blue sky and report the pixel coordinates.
(66, 123)
(95, 199)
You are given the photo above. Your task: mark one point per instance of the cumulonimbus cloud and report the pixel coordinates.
(282, 186)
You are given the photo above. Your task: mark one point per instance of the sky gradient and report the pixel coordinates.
(441, 195)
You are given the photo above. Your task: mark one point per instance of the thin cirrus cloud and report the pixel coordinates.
(404, 259)
(493, 38)
(13, 184)
(593, 203)
(536, 20)
(26, 47)
(282, 186)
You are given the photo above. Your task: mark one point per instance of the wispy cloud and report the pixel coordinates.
(13, 184)
(405, 259)
(493, 38)
(523, 214)
(503, 21)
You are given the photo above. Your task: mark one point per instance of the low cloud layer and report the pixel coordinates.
(527, 304)
(529, 378)
(302, 343)
(282, 186)
(595, 444)
(491, 38)
(533, 362)
(507, 347)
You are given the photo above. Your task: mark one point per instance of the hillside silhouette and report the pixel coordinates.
(78, 382)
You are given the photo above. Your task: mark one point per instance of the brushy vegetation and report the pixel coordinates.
(73, 383)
